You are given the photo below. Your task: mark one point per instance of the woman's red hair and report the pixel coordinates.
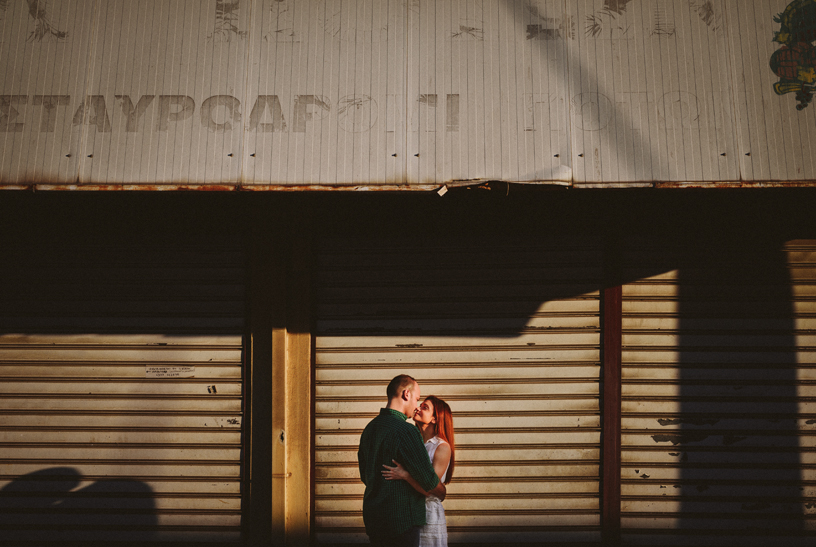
(444, 428)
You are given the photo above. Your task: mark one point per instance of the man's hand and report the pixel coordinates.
(440, 491)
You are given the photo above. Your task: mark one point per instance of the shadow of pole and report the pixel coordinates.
(711, 381)
(737, 356)
(751, 480)
(607, 126)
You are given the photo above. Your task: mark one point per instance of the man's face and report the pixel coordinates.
(413, 400)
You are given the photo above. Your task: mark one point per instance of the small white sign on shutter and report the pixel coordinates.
(169, 372)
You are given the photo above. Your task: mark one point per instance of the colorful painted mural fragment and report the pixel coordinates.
(795, 61)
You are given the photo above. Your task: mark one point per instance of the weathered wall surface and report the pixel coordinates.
(406, 93)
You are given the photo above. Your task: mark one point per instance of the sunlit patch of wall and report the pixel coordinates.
(801, 261)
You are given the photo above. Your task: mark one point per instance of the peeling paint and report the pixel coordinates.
(689, 421)
(759, 506)
(685, 437)
(733, 439)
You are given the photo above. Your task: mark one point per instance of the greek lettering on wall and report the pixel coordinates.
(354, 113)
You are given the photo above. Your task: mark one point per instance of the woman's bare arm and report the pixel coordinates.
(441, 459)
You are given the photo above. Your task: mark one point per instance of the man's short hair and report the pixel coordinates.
(398, 384)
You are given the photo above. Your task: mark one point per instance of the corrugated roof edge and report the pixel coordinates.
(485, 184)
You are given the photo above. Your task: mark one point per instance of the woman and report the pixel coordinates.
(435, 423)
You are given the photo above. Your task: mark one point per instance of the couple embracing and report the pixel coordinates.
(405, 481)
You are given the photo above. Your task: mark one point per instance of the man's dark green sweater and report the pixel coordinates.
(391, 508)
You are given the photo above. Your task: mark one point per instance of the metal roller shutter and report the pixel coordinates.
(121, 391)
(718, 394)
(509, 335)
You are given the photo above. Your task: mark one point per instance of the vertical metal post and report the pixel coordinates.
(612, 311)
(611, 465)
(280, 397)
(258, 417)
(278, 285)
(299, 381)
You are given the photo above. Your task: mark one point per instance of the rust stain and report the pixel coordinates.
(737, 184)
(39, 183)
(61, 186)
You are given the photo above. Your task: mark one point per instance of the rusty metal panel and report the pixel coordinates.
(718, 444)
(404, 94)
(508, 335)
(121, 397)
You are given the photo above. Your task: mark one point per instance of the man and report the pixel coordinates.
(392, 510)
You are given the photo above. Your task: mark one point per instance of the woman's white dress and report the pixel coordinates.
(435, 531)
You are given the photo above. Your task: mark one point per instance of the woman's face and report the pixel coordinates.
(425, 413)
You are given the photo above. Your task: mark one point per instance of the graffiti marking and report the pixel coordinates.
(663, 22)
(38, 10)
(606, 19)
(226, 21)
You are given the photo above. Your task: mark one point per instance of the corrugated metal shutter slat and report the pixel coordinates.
(508, 336)
(121, 371)
(718, 398)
